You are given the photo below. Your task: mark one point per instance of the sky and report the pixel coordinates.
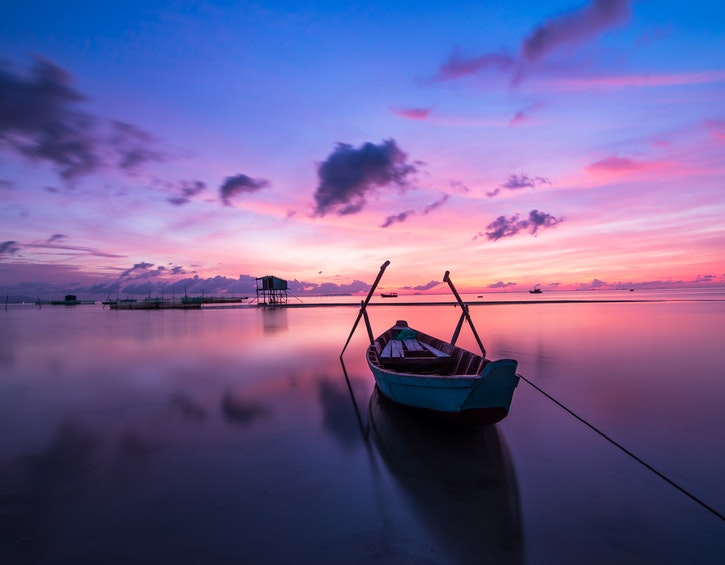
(571, 144)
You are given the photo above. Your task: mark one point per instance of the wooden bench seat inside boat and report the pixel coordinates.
(409, 348)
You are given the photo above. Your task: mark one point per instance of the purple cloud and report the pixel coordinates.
(58, 249)
(435, 205)
(507, 227)
(133, 145)
(427, 286)
(349, 174)
(458, 65)
(9, 248)
(396, 218)
(577, 26)
(516, 182)
(187, 189)
(240, 184)
(501, 284)
(574, 27)
(399, 218)
(144, 267)
(40, 119)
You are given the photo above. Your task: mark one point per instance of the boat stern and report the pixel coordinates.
(495, 387)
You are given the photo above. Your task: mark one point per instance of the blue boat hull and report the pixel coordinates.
(434, 387)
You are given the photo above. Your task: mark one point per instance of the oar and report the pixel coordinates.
(364, 304)
(464, 307)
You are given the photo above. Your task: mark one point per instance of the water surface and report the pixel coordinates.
(230, 435)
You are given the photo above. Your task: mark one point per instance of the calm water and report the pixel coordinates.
(230, 436)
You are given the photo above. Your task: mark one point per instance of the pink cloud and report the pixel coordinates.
(636, 81)
(519, 118)
(413, 113)
(717, 128)
(620, 165)
(523, 115)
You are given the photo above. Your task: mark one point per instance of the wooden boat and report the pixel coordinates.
(421, 371)
(535, 290)
(431, 375)
(389, 294)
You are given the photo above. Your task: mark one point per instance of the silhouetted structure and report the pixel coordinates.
(271, 290)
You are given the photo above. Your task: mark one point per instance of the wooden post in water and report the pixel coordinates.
(464, 314)
(363, 306)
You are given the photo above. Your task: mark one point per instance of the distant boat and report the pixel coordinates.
(389, 294)
(535, 290)
(436, 377)
(70, 300)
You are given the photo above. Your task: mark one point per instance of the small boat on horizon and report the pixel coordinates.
(389, 294)
(436, 377)
(535, 290)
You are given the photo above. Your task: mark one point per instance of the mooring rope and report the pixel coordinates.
(627, 451)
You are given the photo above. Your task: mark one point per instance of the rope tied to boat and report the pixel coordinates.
(626, 451)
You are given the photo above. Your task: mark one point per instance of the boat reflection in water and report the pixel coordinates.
(460, 481)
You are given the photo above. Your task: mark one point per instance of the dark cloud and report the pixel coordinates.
(396, 218)
(349, 174)
(144, 267)
(134, 146)
(435, 205)
(458, 65)
(459, 186)
(40, 119)
(403, 216)
(571, 28)
(501, 284)
(427, 286)
(9, 248)
(186, 190)
(574, 27)
(59, 249)
(507, 227)
(239, 184)
(516, 182)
